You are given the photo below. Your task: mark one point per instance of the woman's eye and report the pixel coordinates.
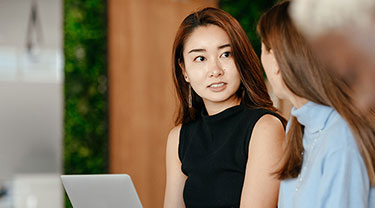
(199, 58)
(226, 54)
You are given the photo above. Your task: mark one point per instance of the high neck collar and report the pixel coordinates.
(312, 116)
(221, 115)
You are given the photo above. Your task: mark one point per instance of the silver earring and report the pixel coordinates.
(190, 98)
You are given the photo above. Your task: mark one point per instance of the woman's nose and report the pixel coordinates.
(216, 69)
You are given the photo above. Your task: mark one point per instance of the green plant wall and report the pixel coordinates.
(248, 12)
(85, 87)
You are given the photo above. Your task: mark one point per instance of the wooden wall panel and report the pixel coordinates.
(142, 100)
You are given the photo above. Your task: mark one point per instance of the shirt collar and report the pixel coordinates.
(312, 116)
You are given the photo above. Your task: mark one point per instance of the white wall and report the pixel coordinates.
(31, 92)
(30, 128)
(14, 15)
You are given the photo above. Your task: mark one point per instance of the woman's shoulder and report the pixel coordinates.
(269, 120)
(338, 134)
(267, 123)
(173, 137)
(175, 132)
(268, 134)
(264, 116)
(256, 111)
(337, 125)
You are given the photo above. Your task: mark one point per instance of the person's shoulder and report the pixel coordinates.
(175, 132)
(338, 133)
(268, 126)
(269, 121)
(173, 137)
(265, 116)
(338, 128)
(252, 111)
(268, 135)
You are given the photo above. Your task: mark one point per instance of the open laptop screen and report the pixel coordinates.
(101, 191)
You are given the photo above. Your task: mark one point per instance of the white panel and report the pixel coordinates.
(31, 105)
(37, 191)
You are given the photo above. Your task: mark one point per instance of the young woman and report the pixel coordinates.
(329, 158)
(228, 136)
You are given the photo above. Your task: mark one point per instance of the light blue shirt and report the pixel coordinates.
(333, 173)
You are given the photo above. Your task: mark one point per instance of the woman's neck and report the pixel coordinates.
(297, 101)
(217, 107)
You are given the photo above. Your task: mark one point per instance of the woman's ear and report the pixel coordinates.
(276, 68)
(182, 66)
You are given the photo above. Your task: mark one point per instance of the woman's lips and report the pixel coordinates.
(217, 87)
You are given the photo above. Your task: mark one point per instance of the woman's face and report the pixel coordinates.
(272, 70)
(209, 66)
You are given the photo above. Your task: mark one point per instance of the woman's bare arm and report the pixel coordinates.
(261, 187)
(175, 178)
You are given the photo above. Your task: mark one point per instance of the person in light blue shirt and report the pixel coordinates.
(333, 173)
(329, 156)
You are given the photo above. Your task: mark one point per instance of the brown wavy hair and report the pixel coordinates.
(305, 76)
(252, 91)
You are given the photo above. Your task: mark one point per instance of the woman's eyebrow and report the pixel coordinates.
(224, 46)
(204, 50)
(197, 50)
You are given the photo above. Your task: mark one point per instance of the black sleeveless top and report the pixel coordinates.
(213, 151)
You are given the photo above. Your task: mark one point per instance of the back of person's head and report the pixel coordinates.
(343, 31)
(317, 17)
(305, 76)
(293, 54)
(252, 91)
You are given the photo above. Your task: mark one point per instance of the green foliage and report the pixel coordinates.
(248, 12)
(85, 87)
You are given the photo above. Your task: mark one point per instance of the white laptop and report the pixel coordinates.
(101, 191)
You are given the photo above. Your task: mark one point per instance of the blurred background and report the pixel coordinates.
(86, 88)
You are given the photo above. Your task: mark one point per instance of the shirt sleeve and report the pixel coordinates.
(345, 181)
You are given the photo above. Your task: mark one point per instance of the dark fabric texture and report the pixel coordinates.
(213, 151)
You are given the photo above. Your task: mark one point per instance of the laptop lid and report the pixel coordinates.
(101, 191)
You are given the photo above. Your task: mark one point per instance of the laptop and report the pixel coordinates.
(101, 191)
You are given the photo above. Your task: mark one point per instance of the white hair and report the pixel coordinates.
(317, 17)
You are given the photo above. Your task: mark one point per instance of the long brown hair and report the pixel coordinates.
(252, 91)
(307, 77)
